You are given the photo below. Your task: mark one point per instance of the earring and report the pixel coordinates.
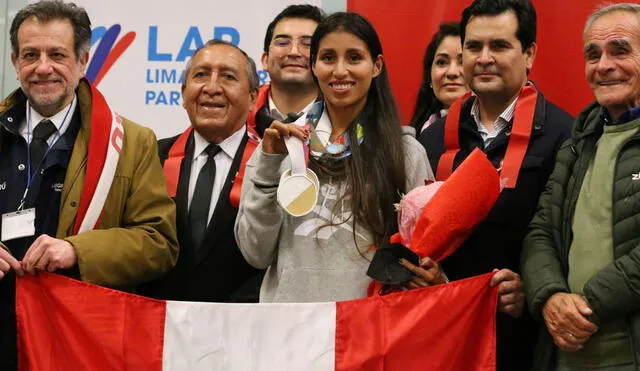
(431, 85)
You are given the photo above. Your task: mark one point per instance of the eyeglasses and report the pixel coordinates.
(285, 44)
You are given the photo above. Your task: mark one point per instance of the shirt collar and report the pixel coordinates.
(229, 146)
(274, 109)
(630, 115)
(506, 115)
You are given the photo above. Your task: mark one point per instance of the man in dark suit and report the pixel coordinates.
(201, 166)
(509, 119)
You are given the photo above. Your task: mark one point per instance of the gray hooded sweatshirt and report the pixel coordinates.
(306, 260)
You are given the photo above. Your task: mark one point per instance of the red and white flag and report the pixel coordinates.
(65, 324)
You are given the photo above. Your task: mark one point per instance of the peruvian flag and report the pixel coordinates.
(65, 324)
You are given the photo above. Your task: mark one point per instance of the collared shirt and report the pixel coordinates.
(503, 121)
(223, 160)
(630, 115)
(275, 111)
(61, 120)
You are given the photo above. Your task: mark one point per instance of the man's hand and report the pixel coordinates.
(273, 139)
(48, 253)
(510, 292)
(427, 274)
(565, 317)
(8, 262)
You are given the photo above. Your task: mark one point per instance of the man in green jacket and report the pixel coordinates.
(581, 256)
(81, 189)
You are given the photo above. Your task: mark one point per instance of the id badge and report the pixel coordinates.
(18, 224)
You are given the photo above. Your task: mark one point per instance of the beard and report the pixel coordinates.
(47, 104)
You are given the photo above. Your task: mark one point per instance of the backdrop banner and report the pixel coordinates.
(139, 50)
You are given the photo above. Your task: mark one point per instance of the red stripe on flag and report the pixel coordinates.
(107, 330)
(446, 328)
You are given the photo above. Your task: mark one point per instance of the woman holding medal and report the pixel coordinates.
(317, 233)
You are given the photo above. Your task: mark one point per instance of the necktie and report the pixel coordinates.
(38, 145)
(199, 211)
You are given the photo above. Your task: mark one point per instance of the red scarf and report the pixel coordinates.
(177, 152)
(105, 144)
(518, 142)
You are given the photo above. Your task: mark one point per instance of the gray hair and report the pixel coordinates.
(50, 10)
(254, 81)
(611, 8)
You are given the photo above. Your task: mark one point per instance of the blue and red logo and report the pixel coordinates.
(108, 50)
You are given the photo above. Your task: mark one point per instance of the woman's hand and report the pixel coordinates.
(427, 274)
(274, 135)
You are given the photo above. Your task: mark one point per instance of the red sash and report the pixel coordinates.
(105, 144)
(236, 189)
(173, 162)
(518, 141)
(451, 143)
(177, 152)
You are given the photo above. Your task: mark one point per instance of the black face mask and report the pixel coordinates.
(385, 266)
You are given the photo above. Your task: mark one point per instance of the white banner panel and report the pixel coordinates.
(140, 48)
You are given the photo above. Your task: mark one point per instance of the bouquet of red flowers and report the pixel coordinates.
(435, 219)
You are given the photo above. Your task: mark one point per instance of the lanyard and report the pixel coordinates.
(32, 176)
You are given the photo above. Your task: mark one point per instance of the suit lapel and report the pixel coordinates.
(74, 179)
(224, 214)
(182, 194)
